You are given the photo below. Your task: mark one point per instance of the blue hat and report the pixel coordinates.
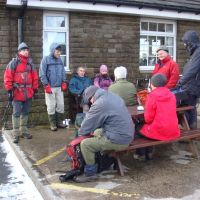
(22, 46)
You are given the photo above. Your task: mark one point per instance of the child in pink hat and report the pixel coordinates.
(103, 80)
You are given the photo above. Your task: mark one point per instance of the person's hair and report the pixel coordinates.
(80, 68)
(158, 80)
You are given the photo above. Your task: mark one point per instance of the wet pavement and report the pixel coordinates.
(172, 174)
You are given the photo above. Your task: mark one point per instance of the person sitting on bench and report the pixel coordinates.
(109, 113)
(161, 122)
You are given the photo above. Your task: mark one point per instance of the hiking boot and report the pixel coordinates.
(83, 178)
(16, 139)
(59, 120)
(52, 121)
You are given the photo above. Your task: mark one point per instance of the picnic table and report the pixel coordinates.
(186, 134)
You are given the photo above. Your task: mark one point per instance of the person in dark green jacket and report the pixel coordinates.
(125, 89)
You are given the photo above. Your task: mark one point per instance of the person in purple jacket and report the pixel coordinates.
(103, 80)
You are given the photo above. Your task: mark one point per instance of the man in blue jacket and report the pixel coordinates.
(109, 113)
(190, 80)
(53, 77)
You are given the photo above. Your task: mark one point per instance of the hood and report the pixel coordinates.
(53, 47)
(162, 94)
(191, 39)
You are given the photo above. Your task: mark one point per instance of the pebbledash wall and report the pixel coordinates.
(94, 38)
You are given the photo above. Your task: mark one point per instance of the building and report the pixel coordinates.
(92, 32)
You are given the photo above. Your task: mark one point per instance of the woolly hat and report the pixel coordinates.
(164, 48)
(158, 80)
(89, 92)
(120, 72)
(22, 46)
(103, 68)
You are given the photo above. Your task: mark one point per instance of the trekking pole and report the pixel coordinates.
(5, 115)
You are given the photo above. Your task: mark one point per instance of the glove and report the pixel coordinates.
(10, 96)
(47, 89)
(64, 86)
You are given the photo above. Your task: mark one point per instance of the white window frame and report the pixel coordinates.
(60, 29)
(155, 33)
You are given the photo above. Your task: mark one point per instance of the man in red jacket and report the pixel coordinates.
(167, 66)
(21, 82)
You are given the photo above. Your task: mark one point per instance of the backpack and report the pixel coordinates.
(73, 150)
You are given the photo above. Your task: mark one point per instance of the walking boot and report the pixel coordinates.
(52, 121)
(16, 132)
(59, 120)
(90, 174)
(23, 127)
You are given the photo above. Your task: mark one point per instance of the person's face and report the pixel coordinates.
(24, 52)
(162, 54)
(104, 72)
(81, 72)
(57, 53)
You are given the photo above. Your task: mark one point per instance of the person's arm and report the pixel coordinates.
(73, 87)
(174, 76)
(9, 75)
(94, 119)
(34, 78)
(43, 72)
(192, 70)
(150, 109)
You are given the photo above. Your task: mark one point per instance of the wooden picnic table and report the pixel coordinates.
(180, 112)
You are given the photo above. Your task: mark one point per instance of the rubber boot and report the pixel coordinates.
(52, 121)
(59, 120)
(16, 132)
(23, 127)
(90, 174)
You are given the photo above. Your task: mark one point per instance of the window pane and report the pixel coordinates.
(63, 58)
(160, 41)
(144, 26)
(169, 41)
(151, 61)
(143, 40)
(54, 37)
(169, 28)
(152, 40)
(170, 51)
(55, 21)
(161, 27)
(152, 26)
(143, 58)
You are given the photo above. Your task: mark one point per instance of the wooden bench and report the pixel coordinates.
(189, 135)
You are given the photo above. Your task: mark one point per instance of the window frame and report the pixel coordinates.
(156, 33)
(57, 29)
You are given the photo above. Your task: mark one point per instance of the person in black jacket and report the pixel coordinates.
(190, 80)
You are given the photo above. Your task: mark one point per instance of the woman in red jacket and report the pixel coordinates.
(161, 122)
(167, 66)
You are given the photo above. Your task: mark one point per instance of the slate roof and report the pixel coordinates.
(177, 5)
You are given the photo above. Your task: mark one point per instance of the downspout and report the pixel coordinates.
(21, 21)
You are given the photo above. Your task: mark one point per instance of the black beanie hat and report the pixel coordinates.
(158, 80)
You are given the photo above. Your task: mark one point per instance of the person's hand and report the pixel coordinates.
(10, 96)
(64, 86)
(47, 89)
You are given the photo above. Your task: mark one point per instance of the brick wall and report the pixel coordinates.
(103, 38)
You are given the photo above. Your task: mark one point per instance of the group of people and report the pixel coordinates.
(104, 101)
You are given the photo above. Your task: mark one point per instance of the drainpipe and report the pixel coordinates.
(21, 21)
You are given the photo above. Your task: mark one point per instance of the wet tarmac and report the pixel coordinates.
(172, 174)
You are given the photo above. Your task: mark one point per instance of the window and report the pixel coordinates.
(55, 30)
(154, 33)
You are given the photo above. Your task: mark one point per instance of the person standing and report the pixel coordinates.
(167, 66)
(103, 80)
(53, 77)
(21, 82)
(123, 88)
(190, 79)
